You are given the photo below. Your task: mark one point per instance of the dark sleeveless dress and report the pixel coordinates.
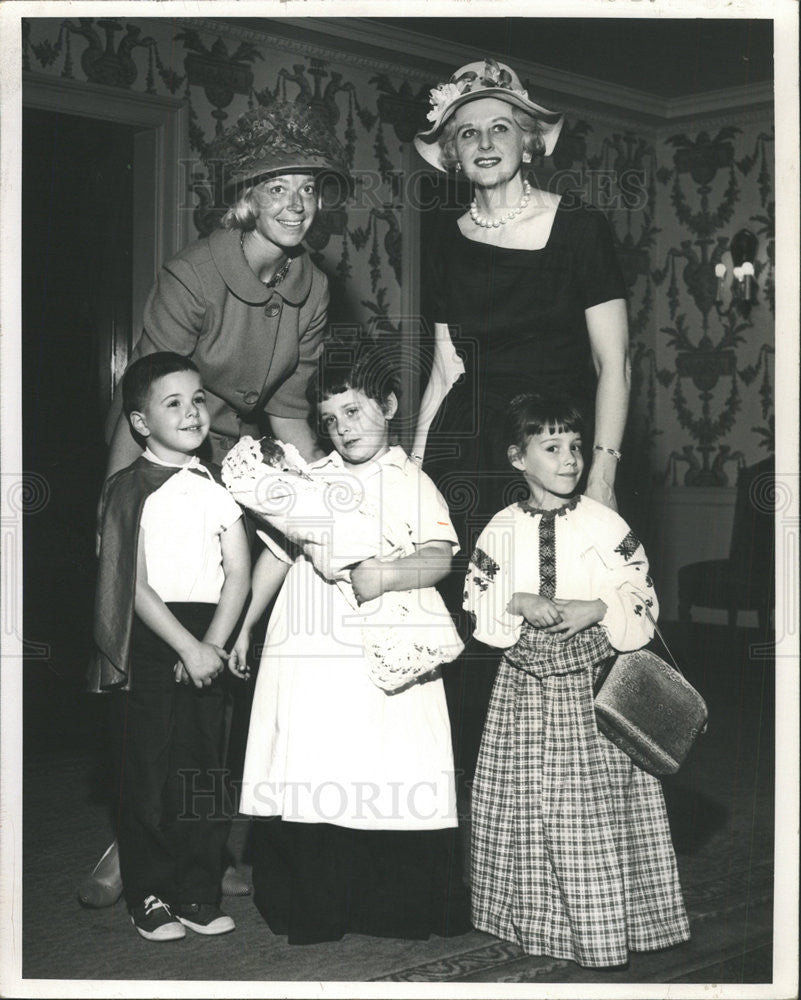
(517, 319)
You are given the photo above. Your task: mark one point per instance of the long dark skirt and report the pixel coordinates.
(317, 882)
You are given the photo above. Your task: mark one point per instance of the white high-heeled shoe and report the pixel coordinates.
(104, 886)
(234, 883)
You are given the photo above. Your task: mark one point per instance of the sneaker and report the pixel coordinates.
(204, 918)
(155, 920)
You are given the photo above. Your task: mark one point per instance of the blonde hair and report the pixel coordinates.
(533, 142)
(241, 214)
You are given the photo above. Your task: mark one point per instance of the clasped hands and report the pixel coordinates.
(205, 662)
(560, 618)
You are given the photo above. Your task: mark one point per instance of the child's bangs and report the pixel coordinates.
(368, 370)
(530, 414)
(334, 386)
(564, 424)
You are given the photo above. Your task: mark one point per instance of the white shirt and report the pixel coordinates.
(181, 527)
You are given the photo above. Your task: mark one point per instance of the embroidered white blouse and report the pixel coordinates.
(595, 555)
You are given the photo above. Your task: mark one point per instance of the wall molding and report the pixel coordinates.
(363, 43)
(759, 114)
(168, 116)
(732, 100)
(322, 41)
(161, 145)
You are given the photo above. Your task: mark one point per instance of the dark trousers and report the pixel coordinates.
(172, 809)
(469, 681)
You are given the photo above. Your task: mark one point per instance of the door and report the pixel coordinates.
(77, 198)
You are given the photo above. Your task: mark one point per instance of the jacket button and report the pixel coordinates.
(251, 398)
(272, 309)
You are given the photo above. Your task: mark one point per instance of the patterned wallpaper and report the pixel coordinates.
(702, 380)
(615, 168)
(702, 356)
(713, 350)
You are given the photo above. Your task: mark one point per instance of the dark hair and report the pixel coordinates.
(532, 413)
(141, 374)
(533, 142)
(368, 368)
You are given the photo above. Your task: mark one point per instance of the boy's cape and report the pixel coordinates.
(124, 496)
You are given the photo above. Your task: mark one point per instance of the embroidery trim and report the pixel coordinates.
(484, 564)
(547, 536)
(550, 514)
(628, 546)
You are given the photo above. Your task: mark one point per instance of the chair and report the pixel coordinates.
(744, 581)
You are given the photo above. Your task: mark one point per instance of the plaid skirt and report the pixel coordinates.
(572, 855)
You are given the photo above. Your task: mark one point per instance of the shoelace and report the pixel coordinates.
(153, 903)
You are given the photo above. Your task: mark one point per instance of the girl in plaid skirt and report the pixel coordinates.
(572, 855)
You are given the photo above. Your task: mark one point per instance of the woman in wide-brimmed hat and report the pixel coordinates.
(527, 285)
(527, 276)
(247, 303)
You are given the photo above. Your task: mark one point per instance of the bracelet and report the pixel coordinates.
(416, 458)
(609, 451)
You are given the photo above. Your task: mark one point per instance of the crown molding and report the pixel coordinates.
(366, 44)
(756, 96)
(315, 38)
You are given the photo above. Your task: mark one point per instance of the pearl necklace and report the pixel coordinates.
(494, 223)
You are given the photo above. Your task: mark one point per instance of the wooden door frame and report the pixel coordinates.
(161, 209)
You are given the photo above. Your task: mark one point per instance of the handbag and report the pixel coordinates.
(647, 708)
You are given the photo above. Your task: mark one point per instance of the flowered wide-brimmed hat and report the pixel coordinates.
(279, 138)
(482, 79)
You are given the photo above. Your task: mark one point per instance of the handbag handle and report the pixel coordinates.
(672, 660)
(673, 663)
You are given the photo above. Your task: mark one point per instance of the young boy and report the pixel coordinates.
(173, 578)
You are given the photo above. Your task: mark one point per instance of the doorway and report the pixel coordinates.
(77, 237)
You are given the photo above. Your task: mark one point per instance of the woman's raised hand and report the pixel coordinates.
(446, 368)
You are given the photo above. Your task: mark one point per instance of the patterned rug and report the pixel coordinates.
(720, 807)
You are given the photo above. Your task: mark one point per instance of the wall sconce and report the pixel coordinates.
(743, 248)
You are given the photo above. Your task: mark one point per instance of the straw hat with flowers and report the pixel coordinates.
(486, 78)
